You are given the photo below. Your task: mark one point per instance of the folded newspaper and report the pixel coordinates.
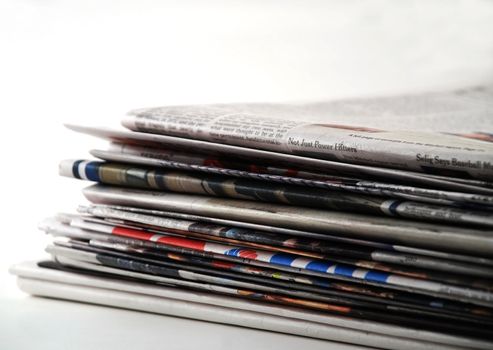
(290, 218)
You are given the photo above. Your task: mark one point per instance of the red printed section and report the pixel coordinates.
(128, 232)
(174, 241)
(247, 254)
(182, 242)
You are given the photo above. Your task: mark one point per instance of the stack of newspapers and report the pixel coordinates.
(274, 217)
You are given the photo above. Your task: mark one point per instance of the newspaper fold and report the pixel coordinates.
(268, 157)
(432, 153)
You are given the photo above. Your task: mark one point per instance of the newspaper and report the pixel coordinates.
(236, 212)
(254, 127)
(338, 285)
(406, 250)
(185, 278)
(349, 257)
(290, 244)
(461, 312)
(234, 286)
(249, 267)
(213, 185)
(309, 266)
(190, 232)
(256, 291)
(446, 238)
(196, 305)
(262, 156)
(159, 157)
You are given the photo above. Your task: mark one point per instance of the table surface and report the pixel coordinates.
(92, 61)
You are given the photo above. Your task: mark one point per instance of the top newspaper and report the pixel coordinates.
(458, 154)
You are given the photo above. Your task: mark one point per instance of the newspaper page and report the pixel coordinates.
(163, 158)
(155, 272)
(346, 257)
(461, 312)
(230, 310)
(220, 186)
(409, 253)
(126, 245)
(298, 245)
(255, 126)
(278, 274)
(282, 280)
(263, 156)
(308, 266)
(418, 234)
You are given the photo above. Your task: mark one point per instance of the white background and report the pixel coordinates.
(92, 61)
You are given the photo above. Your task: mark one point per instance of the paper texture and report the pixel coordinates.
(240, 125)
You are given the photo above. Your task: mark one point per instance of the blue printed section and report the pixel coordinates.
(393, 207)
(75, 169)
(376, 276)
(92, 171)
(233, 252)
(319, 266)
(282, 259)
(344, 270)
